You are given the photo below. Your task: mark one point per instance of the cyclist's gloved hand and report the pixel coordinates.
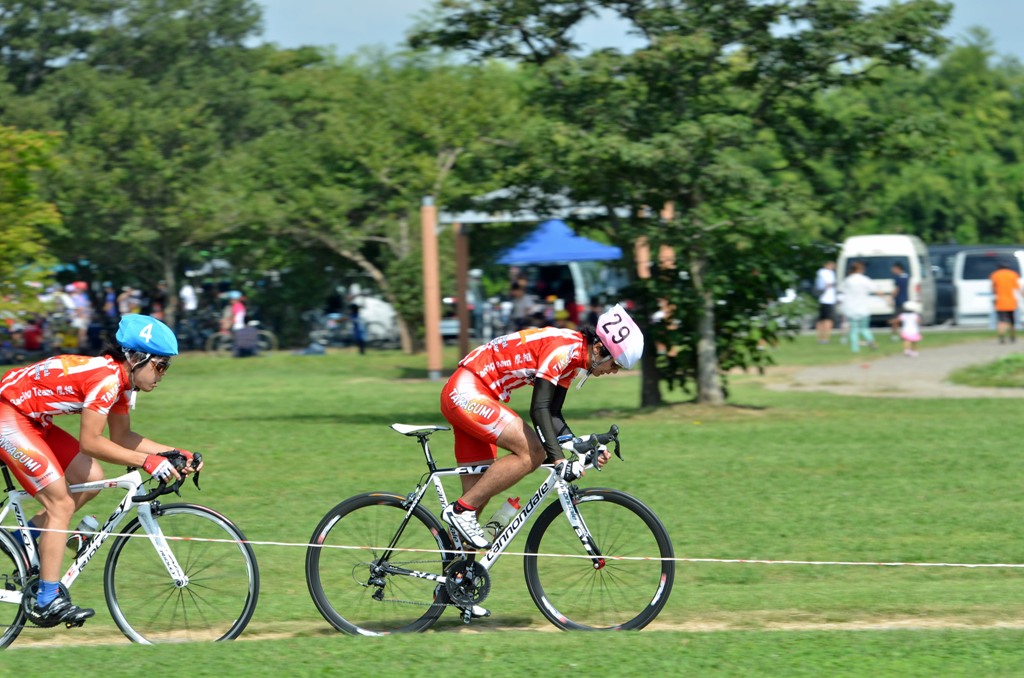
(569, 470)
(159, 467)
(600, 456)
(190, 463)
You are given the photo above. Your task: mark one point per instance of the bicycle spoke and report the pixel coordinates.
(346, 587)
(223, 585)
(572, 593)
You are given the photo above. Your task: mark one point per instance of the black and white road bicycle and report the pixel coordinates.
(596, 558)
(177, 572)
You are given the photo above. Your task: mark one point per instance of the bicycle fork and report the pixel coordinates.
(567, 496)
(163, 549)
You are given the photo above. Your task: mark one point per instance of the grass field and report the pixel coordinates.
(775, 476)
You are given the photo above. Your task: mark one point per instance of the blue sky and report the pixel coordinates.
(348, 25)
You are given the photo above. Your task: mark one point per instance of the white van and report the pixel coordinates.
(879, 253)
(972, 288)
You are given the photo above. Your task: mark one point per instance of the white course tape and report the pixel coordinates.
(746, 561)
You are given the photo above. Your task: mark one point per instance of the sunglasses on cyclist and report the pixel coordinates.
(160, 366)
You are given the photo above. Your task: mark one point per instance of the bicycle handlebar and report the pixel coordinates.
(589, 451)
(180, 462)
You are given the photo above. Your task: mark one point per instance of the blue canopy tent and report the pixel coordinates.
(553, 242)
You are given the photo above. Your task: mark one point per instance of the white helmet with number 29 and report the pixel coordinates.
(621, 336)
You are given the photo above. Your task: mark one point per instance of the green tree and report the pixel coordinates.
(950, 167)
(366, 140)
(25, 260)
(717, 113)
(39, 37)
(158, 93)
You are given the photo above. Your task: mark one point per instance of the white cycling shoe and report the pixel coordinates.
(476, 612)
(466, 525)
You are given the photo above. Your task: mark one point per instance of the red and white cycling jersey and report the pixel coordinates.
(514, 360)
(67, 384)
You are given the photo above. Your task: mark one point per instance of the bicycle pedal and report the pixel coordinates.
(78, 623)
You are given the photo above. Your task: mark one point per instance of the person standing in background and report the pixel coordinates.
(1006, 293)
(900, 296)
(124, 300)
(188, 298)
(910, 328)
(825, 288)
(110, 312)
(234, 313)
(81, 312)
(857, 290)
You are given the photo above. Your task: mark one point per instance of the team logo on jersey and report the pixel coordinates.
(561, 360)
(68, 362)
(480, 409)
(524, 335)
(109, 393)
(16, 454)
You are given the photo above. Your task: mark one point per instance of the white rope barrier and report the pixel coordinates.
(743, 561)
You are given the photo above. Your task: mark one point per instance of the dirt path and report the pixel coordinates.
(901, 377)
(60, 637)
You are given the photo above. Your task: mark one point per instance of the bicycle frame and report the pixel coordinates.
(133, 484)
(505, 537)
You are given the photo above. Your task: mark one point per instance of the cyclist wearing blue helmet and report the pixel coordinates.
(45, 458)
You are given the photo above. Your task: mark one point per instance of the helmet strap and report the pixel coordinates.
(131, 374)
(590, 371)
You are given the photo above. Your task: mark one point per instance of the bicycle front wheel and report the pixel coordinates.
(223, 579)
(13, 573)
(632, 581)
(359, 592)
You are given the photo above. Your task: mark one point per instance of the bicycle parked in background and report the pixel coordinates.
(224, 343)
(158, 588)
(380, 562)
(336, 329)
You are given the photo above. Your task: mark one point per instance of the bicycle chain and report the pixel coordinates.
(417, 602)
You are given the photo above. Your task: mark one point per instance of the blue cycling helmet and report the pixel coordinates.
(146, 334)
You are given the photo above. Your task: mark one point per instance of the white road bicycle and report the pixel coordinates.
(158, 588)
(382, 563)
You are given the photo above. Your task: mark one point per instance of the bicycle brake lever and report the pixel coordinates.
(197, 459)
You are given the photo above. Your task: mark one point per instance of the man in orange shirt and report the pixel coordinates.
(1006, 290)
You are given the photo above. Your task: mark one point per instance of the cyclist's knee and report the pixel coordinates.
(57, 501)
(534, 454)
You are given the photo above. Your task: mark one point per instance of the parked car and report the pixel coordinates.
(972, 287)
(879, 253)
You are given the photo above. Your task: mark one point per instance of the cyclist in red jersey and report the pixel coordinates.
(45, 459)
(474, 398)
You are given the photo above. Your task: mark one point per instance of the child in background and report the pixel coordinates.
(910, 328)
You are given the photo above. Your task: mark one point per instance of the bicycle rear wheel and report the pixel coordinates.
(13, 573)
(348, 580)
(223, 585)
(220, 343)
(267, 341)
(622, 594)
